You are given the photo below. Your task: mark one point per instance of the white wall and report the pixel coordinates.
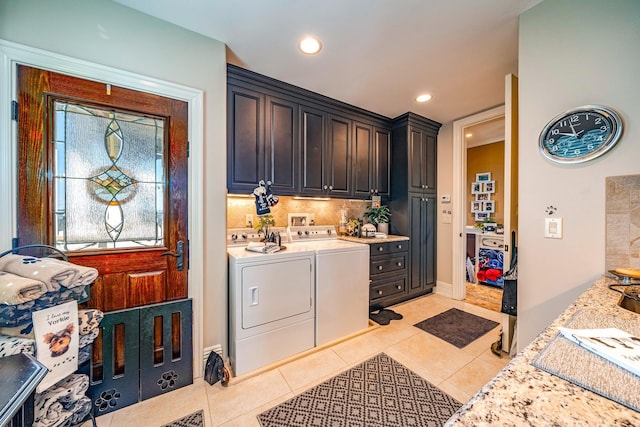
(107, 33)
(572, 52)
(444, 231)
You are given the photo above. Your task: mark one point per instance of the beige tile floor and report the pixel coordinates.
(459, 372)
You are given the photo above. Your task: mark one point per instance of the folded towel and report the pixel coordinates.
(85, 340)
(16, 289)
(264, 248)
(53, 272)
(88, 320)
(61, 402)
(20, 314)
(21, 331)
(15, 345)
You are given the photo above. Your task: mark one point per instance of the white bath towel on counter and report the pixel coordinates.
(53, 272)
(16, 289)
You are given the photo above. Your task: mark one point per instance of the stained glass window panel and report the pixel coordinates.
(108, 178)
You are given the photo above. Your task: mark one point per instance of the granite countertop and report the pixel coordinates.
(521, 394)
(372, 240)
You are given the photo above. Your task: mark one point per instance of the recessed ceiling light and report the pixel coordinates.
(423, 98)
(310, 45)
(469, 135)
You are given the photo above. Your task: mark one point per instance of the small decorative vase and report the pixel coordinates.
(383, 227)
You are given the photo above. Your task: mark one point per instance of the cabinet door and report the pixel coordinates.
(382, 158)
(422, 160)
(429, 161)
(363, 160)
(245, 139)
(282, 147)
(416, 154)
(423, 210)
(313, 136)
(338, 152)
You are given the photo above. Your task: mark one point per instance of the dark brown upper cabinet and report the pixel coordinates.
(303, 142)
(371, 157)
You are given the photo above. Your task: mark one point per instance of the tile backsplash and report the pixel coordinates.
(326, 212)
(623, 222)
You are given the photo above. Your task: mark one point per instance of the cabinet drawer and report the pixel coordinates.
(389, 247)
(386, 264)
(380, 290)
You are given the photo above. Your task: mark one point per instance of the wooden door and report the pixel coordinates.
(136, 224)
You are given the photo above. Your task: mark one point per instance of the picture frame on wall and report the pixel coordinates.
(489, 206)
(476, 206)
(481, 216)
(482, 196)
(483, 176)
(476, 187)
(490, 187)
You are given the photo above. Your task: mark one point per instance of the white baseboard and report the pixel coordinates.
(205, 355)
(444, 289)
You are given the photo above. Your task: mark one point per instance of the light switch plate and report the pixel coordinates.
(553, 228)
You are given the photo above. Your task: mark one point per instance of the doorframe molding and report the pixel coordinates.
(12, 54)
(459, 193)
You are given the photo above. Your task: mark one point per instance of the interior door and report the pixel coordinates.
(103, 177)
(510, 166)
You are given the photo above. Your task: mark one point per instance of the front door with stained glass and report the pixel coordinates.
(102, 176)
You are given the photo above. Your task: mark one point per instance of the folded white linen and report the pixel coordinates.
(15, 345)
(265, 248)
(53, 272)
(58, 404)
(16, 289)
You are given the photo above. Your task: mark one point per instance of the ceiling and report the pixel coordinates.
(377, 54)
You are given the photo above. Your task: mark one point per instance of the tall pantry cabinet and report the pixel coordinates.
(413, 189)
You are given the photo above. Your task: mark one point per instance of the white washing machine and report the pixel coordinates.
(342, 281)
(271, 305)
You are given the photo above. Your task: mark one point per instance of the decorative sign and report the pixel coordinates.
(56, 335)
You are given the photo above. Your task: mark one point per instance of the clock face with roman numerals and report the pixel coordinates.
(581, 134)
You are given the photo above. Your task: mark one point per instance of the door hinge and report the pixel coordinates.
(14, 111)
(188, 149)
(506, 248)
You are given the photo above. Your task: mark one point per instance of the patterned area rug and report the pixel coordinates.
(457, 327)
(192, 420)
(378, 392)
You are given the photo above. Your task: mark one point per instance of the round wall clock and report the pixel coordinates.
(580, 134)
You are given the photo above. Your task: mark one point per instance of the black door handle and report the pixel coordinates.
(179, 254)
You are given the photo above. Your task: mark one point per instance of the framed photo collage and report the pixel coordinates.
(483, 187)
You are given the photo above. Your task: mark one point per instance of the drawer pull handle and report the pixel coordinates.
(379, 292)
(380, 249)
(380, 268)
(399, 287)
(399, 264)
(399, 246)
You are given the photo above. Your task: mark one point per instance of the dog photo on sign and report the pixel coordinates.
(56, 334)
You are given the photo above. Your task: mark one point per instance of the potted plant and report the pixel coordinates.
(379, 216)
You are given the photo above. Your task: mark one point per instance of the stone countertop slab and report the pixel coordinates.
(372, 240)
(521, 394)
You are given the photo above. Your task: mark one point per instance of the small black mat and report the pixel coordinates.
(457, 327)
(192, 420)
(385, 316)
